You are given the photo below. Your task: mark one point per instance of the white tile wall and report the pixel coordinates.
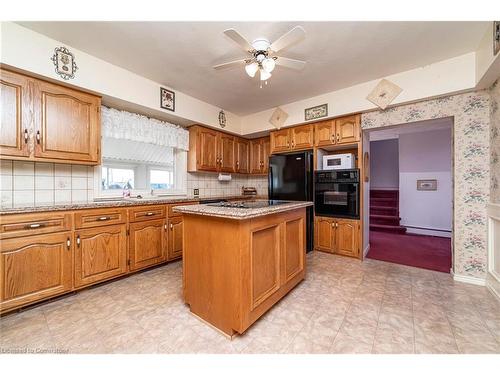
(209, 185)
(44, 184)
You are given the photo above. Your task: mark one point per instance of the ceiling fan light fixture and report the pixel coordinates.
(268, 64)
(251, 69)
(264, 75)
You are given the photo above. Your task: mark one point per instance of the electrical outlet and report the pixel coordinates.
(196, 191)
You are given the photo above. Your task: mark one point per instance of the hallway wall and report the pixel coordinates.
(384, 164)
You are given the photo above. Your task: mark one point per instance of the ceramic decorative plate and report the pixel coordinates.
(384, 93)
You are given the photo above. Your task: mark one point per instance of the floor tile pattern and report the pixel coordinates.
(344, 306)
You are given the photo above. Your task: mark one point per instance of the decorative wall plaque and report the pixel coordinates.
(64, 62)
(316, 112)
(278, 118)
(496, 37)
(222, 119)
(384, 93)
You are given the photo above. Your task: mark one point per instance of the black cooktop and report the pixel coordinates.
(248, 204)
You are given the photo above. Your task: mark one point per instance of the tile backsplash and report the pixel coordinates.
(209, 185)
(25, 184)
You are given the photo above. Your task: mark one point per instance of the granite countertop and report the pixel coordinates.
(240, 213)
(113, 203)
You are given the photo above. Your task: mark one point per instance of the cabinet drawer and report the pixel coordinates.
(147, 213)
(171, 212)
(20, 225)
(100, 217)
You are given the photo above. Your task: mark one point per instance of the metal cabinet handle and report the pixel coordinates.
(287, 143)
(34, 226)
(104, 218)
(149, 214)
(78, 240)
(37, 136)
(336, 225)
(68, 243)
(338, 138)
(220, 161)
(165, 227)
(26, 136)
(171, 226)
(293, 144)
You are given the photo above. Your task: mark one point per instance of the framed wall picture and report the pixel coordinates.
(316, 112)
(64, 62)
(167, 99)
(427, 185)
(496, 37)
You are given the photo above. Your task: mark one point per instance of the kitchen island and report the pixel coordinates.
(241, 258)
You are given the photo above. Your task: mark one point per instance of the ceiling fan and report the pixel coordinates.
(263, 58)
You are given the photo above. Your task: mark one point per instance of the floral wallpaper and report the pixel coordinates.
(471, 115)
(495, 142)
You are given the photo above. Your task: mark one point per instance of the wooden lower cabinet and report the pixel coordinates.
(147, 243)
(100, 254)
(337, 236)
(175, 238)
(35, 268)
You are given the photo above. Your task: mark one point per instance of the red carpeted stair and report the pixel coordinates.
(384, 211)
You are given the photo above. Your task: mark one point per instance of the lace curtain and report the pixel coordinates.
(134, 127)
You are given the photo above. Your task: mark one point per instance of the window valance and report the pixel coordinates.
(134, 127)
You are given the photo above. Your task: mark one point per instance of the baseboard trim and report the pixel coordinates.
(366, 250)
(469, 280)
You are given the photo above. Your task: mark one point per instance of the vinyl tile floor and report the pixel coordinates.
(343, 306)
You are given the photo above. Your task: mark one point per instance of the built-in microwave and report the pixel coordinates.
(339, 161)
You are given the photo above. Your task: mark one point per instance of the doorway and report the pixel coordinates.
(411, 194)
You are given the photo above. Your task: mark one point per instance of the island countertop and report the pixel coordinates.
(237, 213)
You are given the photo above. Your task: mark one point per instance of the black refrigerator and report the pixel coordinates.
(291, 179)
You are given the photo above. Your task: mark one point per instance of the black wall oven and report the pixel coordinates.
(336, 193)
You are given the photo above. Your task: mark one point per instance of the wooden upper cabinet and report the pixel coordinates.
(33, 268)
(347, 129)
(67, 125)
(100, 254)
(280, 140)
(324, 133)
(207, 148)
(302, 137)
(347, 237)
(255, 156)
(242, 153)
(48, 122)
(266, 151)
(15, 103)
(226, 153)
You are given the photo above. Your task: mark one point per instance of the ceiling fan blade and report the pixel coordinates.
(238, 39)
(230, 64)
(295, 35)
(290, 63)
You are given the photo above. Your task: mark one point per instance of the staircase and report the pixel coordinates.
(384, 211)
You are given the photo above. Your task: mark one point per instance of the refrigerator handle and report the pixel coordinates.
(270, 182)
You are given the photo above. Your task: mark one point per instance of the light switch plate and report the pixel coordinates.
(196, 191)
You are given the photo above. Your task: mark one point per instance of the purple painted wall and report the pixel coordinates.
(384, 164)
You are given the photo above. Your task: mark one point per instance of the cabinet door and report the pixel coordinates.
(207, 159)
(16, 102)
(67, 124)
(324, 234)
(347, 237)
(347, 129)
(255, 156)
(302, 137)
(266, 151)
(100, 253)
(175, 238)
(294, 249)
(147, 243)
(242, 164)
(226, 153)
(280, 140)
(324, 133)
(35, 267)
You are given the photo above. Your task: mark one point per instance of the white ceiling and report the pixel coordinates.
(339, 54)
(393, 132)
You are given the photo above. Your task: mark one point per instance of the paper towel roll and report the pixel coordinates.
(224, 177)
